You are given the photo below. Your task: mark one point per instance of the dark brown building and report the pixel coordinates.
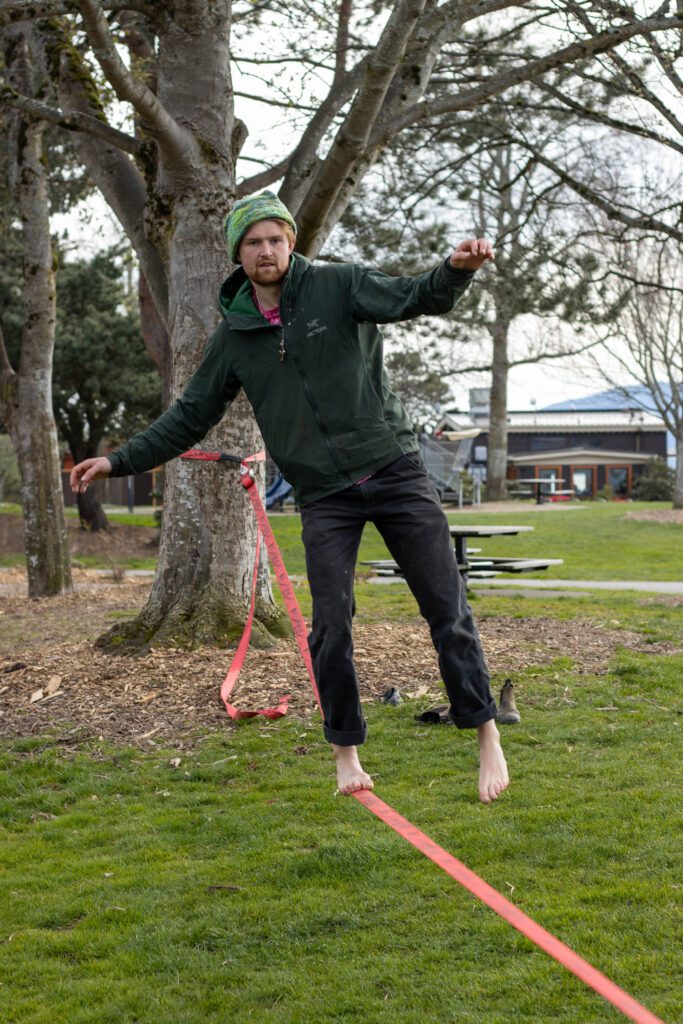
(579, 451)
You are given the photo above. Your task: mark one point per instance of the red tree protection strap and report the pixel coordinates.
(281, 574)
(238, 661)
(599, 982)
(199, 455)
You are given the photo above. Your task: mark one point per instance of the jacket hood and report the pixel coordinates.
(234, 296)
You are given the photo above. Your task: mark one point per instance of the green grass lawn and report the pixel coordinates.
(237, 887)
(595, 540)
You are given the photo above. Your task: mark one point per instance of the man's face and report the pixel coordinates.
(264, 252)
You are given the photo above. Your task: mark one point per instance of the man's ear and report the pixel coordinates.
(292, 243)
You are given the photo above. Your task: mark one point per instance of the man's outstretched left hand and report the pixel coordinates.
(472, 254)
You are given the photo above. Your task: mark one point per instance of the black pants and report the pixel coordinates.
(404, 506)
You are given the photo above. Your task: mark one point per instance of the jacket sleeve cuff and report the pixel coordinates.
(116, 464)
(457, 273)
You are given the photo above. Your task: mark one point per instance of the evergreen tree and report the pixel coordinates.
(105, 384)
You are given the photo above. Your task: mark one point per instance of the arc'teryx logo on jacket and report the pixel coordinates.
(327, 412)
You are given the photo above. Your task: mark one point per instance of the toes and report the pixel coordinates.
(353, 785)
(490, 791)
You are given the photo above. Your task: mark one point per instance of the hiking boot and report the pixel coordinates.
(392, 696)
(507, 709)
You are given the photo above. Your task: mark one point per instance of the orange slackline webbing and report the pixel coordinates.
(601, 984)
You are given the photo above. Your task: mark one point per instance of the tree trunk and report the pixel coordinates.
(90, 512)
(35, 443)
(678, 482)
(31, 422)
(155, 337)
(496, 471)
(202, 587)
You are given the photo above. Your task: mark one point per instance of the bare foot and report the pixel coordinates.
(350, 775)
(493, 773)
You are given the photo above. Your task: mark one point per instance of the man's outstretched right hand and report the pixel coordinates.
(87, 471)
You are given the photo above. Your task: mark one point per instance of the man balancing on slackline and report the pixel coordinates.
(302, 341)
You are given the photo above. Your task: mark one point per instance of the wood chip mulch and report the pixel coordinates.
(52, 678)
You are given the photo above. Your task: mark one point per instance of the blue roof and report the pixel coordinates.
(635, 397)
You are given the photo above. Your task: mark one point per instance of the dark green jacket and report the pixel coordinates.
(326, 412)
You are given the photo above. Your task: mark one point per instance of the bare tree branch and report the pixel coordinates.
(12, 11)
(667, 65)
(71, 120)
(598, 117)
(287, 105)
(533, 69)
(263, 178)
(303, 157)
(352, 137)
(642, 91)
(532, 358)
(596, 199)
(156, 119)
(480, 8)
(342, 42)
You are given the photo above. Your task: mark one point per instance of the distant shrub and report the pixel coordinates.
(655, 483)
(605, 493)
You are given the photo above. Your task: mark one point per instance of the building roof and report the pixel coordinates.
(561, 422)
(580, 457)
(634, 396)
(607, 419)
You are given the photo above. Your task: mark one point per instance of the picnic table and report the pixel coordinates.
(536, 487)
(461, 532)
(477, 566)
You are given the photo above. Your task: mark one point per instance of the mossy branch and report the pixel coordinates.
(176, 143)
(70, 119)
(14, 11)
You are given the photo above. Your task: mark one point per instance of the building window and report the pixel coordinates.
(583, 481)
(618, 481)
(552, 475)
(547, 442)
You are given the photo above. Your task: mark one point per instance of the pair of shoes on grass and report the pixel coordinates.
(507, 710)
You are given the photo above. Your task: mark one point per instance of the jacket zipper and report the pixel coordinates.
(314, 407)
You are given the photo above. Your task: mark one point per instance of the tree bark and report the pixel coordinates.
(31, 419)
(155, 337)
(678, 481)
(202, 587)
(496, 470)
(90, 512)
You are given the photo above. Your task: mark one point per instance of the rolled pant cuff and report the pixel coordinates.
(346, 739)
(472, 721)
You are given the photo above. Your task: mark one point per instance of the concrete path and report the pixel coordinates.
(651, 586)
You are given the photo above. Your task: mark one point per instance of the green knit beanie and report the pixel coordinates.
(247, 211)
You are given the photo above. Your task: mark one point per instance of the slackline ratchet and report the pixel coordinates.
(545, 940)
